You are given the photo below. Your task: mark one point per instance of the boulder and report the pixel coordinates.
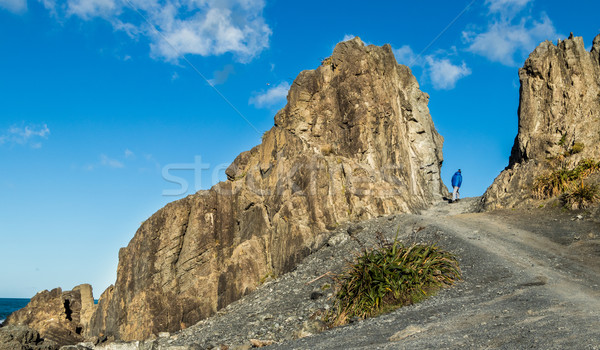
(57, 316)
(355, 141)
(559, 118)
(20, 337)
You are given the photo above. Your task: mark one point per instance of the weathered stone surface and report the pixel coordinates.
(58, 316)
(20, 337)
(355, 141)
(559, 108)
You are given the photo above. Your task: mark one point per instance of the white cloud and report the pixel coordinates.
(271, 97)
(509, 43)
(25, 135)
(87, 9)
(507, 7)
(214, 31)
(16, 6)
(199, 27)
(109, 162)
(406, 56)
(444, 74)
(509, 36)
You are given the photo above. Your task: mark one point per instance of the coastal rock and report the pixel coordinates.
(559, 117)
(58, 316)
(355, 141)
(20, 337)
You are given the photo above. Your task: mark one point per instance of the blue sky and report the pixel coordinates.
(99, 97)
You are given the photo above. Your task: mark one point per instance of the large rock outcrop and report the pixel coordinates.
(355, 141)
(20, 337)
(58, 316)
(559, 117)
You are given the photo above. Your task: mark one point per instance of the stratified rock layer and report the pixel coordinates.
(20, 337)
(355, 141)
(58, 316)
(559, 111)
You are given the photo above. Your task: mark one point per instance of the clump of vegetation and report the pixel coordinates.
(582, 196)
(563, 139)
(562, 180)
(327, 61)
(267, 277)
(577, 148)
(391, 276)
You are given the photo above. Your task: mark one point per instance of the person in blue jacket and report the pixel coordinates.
(456, 182)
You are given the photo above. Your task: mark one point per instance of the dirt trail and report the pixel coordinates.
(521, 289)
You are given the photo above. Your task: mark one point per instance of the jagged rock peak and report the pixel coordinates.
(355, 141)
(559, 111)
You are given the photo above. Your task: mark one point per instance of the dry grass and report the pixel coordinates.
(563, 180)
(581, 197)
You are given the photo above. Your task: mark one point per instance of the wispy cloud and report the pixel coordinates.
(205, 28)
(348, 37)
(128, 159)
(110, 162)
(129, 154)
(29, 134)
(271, 97)
(16, 6)
(507, 7)
(221, 76)
(440, 71)
(509, 37)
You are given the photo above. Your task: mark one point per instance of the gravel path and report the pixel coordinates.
(520, 290)
(530, 280)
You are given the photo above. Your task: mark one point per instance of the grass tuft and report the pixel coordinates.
(582, 196)
(577, 148)
(391, 276)
(562, 140)
(562, 180)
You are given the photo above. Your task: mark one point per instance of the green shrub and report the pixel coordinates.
(383, 279)
(582, 196)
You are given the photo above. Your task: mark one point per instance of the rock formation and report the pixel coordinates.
(559, 116)
(58, 316)
(20, 337)
(355, 141)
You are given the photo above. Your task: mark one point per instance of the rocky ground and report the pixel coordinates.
(531, 279)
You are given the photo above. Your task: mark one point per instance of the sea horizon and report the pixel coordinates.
(10, 305)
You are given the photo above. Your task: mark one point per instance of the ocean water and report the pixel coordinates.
(8, 305)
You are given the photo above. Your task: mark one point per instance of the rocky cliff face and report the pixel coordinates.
(559, 116)
(355, 141)
(58, 316)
